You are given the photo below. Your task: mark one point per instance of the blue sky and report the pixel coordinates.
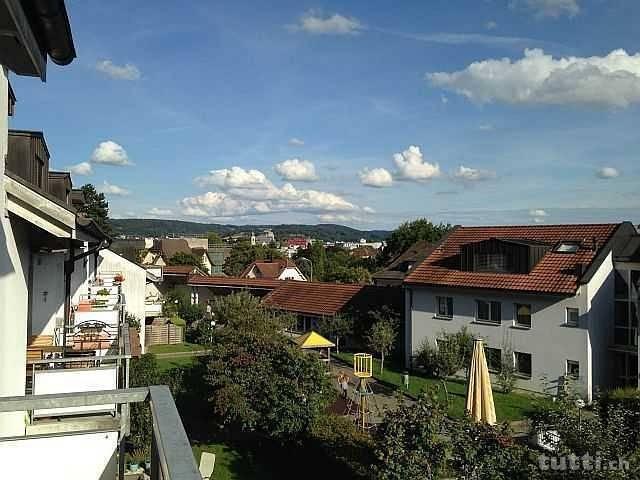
(359, 113)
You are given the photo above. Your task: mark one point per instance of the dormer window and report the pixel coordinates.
(567, 247)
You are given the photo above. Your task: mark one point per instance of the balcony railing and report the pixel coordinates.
(171, 454)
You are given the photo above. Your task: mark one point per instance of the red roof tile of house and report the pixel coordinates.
(268, 268)
(555, 273)
(234, 282)
(314, 298)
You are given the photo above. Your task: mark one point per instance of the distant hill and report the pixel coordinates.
(159, 228)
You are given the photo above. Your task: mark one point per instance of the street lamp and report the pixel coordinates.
(310, 264)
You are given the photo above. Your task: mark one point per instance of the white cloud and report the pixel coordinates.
(490, 25)
(111, 189)
(468, 174)
(412, 166)
(485, 127)
(549, 8)
(250, 192)
(538, 78)
(296, 142)
(315, 23)
(118, 72)
(376, 177)
(160, 212)
(234, 177)
(110, 153)
(443, 99)
(538, 215)
(607, 172)
(368, 210)
(296, 169)
(82, 168)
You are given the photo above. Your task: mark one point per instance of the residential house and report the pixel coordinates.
(52, 309)
(311, 302)
(166, 248)
(277, 269)
(540, 296)
(205, 288)
(398, 268)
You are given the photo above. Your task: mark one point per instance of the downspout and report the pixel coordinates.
(69, 267)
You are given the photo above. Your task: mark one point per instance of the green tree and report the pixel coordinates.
(318, 256)
(342, 274)
(182, 258)
(144, 372)
(337, 327)
(408, 441)
(96, 207)
(480, 451)
(214, 238)
(382, 335)
(243, 253)
(261, 382)
(409, 233)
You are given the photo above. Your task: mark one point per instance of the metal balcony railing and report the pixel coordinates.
(171, 454)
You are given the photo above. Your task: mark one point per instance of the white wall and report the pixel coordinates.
(292, 273)
(89, 456)
(601, 307)
(549, 341)
(14, 300)
(133, 287)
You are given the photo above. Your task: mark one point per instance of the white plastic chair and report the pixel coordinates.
(207, 463)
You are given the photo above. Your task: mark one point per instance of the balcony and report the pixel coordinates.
(93, 447)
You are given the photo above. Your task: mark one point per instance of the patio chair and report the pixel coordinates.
(207, 462)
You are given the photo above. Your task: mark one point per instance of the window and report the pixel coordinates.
(488, 311)
(572, 317)
(444, 307)
(523, 315)
(573, 369)
(494, 359)
(523, 364)
(491, 262)
(625, 324)
(567, 247)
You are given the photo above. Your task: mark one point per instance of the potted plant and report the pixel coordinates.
(103, 292)
(119, 278)
(138, 456)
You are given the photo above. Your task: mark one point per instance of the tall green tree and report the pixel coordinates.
(317, 254)
(243, 253)
(409, 233)
(96, 207)
(261, 382)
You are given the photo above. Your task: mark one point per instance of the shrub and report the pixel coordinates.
(132, 320)
(339, 439)
(507, 375)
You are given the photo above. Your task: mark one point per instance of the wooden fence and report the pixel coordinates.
(167, 334)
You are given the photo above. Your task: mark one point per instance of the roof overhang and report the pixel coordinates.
(31, 29)
(39, 210)
(497, 291)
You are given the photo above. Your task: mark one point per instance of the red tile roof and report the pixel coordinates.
(313, 298)
(234, 282)
(555, 273)
(269, 268)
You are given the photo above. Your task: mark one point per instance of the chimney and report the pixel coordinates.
(594, 243)
(579, 270)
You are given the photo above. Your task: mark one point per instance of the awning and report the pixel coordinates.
(313, 340)
(38, 209)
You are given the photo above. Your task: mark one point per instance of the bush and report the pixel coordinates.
(340, 440)
(507, 375)
(452, 354)
(177, 321)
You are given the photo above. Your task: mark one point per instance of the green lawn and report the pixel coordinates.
(179, 348)
(165, 364)
(512, 406)
(232, 464)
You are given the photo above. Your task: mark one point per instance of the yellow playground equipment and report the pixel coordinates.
(362, 399)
